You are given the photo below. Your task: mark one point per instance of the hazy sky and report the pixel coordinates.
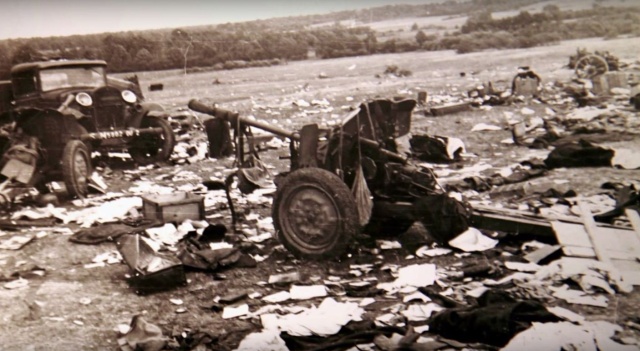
(42, 18)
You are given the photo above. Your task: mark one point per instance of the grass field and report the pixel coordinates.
(436, 72)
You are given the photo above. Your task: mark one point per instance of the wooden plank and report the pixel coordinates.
(630, 270)
(634, 218)
(514, 221)
(591, 227)
(450, 108)
(570, 234)
(619, 244)
(574, 239)
(615, 245)
(577, 251)
(510, 224)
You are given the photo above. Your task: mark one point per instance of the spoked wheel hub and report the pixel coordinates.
(312, 214)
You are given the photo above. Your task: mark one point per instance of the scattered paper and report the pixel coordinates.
(522, 267)
(235, 311)
(299, 292)
(326, 319)
(625, 158)
(578, 297)
(416, 296)
(415, 275)
(426, 251)
(167, 234)
(17, 284)
(485, 127)
(16, 242)
(388, 245)
(589, 336)
(267, 340)
(566, 314)
(277, 297)
(473, 240)
(416, 313)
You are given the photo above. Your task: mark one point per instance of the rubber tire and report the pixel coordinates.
(75, 186)
(336, 192)
(146, 149)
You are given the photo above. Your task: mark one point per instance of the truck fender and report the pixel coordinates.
(151, 109)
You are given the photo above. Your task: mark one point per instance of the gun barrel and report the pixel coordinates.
(234, 118)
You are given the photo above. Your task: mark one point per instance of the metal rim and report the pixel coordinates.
(310, 217)
(153, 144)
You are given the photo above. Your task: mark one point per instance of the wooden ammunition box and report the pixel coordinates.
(175, 207)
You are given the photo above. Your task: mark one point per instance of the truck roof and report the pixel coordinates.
(23, 67)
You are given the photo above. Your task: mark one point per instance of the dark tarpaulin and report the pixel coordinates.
(494, 321)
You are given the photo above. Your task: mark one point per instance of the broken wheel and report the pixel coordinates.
(590, 66)
(315, 214)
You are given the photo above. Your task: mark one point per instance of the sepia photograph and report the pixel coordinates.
(364, 175)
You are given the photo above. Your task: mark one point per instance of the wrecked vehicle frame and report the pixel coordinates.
(351, 178)
(61, 111)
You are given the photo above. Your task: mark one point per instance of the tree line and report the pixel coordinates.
(267, 42)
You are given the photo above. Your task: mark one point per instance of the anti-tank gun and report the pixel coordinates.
(351, 178)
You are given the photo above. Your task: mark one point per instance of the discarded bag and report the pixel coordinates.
(579, 154)
(252, 178)
(436, 148)
(496, 319)
(151, 271)
(444, 217)
(219, 135)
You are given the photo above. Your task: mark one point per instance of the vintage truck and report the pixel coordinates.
(54, 114)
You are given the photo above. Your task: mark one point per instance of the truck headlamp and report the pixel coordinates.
(84, 99)
(129, 96)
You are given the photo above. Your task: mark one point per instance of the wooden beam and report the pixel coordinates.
(634, 218)
(591, 228)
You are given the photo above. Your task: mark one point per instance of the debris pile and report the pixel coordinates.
(201, 231)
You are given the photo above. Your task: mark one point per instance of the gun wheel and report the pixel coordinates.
(315, 214)
(591, 66)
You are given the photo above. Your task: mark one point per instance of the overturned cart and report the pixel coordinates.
(351, 178)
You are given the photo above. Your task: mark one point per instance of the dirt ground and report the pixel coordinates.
(72, 307)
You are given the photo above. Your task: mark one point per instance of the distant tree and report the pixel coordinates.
(182, 40)
(143, 59)
(5, 61)
(389, 46)
(118, 58)
(421, 37)
(25, 53)
(477, 22)
(371, 42)
(414, 27)
(553, 11)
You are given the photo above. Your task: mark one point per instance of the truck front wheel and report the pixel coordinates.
(151, 148)
(76, 168)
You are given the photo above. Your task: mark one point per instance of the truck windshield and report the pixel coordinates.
(72, 77)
